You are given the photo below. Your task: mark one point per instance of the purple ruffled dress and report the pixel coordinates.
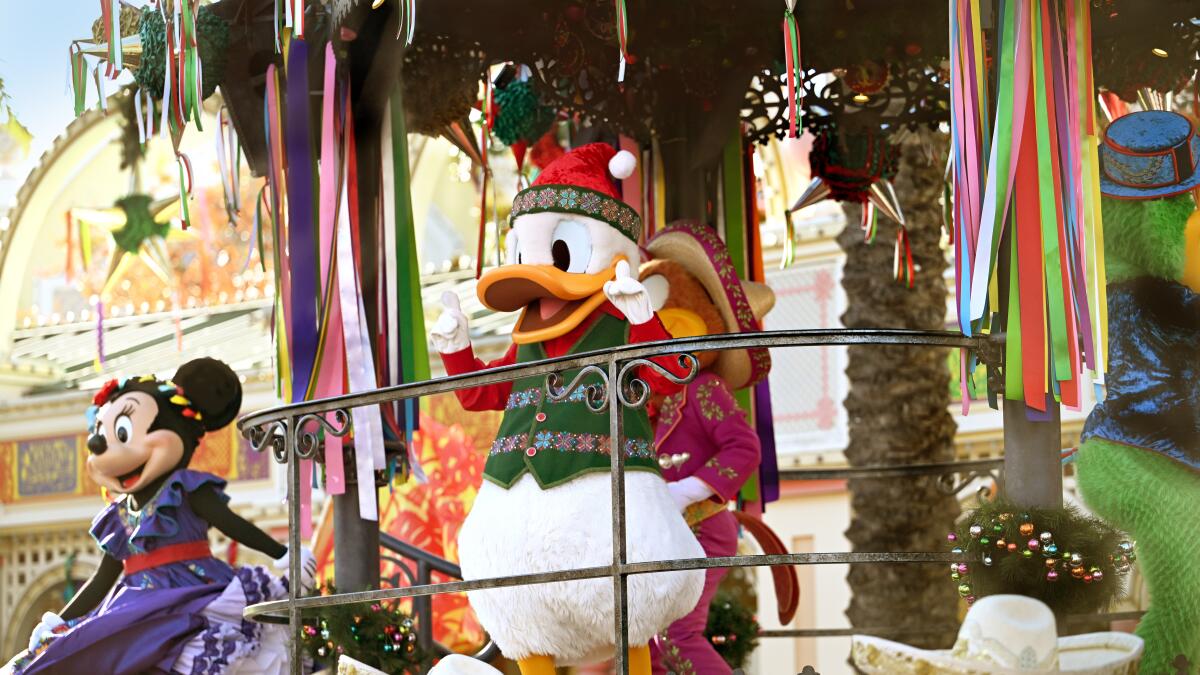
(182, 617)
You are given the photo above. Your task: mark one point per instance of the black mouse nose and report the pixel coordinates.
(97, 444)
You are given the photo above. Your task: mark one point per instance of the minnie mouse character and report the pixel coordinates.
(160, 601)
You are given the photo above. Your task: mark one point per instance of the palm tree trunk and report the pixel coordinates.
(898, 407)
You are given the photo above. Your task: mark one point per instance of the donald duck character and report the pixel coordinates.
(544, 503)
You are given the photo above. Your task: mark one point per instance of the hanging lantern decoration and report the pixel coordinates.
(521, 119)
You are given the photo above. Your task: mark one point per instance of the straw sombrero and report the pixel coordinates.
(742, 304)
(1005, 635)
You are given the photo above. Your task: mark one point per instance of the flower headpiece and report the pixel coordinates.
(165, 389)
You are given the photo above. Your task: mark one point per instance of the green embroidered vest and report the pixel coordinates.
(557, 441)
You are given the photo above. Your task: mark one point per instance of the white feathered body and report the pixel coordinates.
(525, 529)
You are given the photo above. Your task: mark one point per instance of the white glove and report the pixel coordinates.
(688, 491)
(308, 568)
(628, 294)
(50, 621)
(449, 333)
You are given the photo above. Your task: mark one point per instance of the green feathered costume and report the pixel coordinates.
(1139, 464)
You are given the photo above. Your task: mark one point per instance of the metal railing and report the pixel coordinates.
(611, 380)
(426, 564)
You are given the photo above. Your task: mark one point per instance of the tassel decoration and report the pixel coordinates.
(623, 37)
(902, 265)
(791, 54)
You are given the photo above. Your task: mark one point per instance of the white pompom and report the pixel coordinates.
(622, 165)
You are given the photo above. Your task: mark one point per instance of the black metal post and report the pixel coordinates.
(1032, 468)
(355, 541)
(423, 609)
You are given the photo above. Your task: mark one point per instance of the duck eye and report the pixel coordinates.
(123, 428)
(571, 248)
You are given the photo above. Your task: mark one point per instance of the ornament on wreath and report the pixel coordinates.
(732, 629)
(1071, 562)
(377, 635)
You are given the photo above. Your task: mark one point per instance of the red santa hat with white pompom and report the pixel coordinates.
(582, 182)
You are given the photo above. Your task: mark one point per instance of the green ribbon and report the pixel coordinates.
(1048, 197)
(1014, 384)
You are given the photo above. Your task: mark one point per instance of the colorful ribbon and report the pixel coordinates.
(622, 37)
(78, 78)
(792, 67)
(1040, 174)
(185, 188)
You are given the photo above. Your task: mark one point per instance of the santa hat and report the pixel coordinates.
(581, 182)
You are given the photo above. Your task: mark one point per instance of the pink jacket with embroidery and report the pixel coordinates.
(705, 433)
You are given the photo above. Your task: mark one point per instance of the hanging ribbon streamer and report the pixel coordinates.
(408, 337)
(69, 267)
(78, 78)
(408, 19)
(870, 222)
(789, 241)
(298, 19)
(360, 370)
(302, 236)
(185, 188)
(902, 264)
(228, 166)
(488, 108)
(331, 374)
(110, 13)
(99, 334)
(137, 115)
(102, 103)
(622, 38)
(792, 67)
(256, 235)
(1036, 168)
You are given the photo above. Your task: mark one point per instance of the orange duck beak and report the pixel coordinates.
(553, 301)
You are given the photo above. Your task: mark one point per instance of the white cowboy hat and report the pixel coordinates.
(458, 664)
(1005, 635)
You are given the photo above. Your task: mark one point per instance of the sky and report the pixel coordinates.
(34, 40)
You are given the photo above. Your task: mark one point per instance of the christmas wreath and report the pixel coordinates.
(1071, 562)
(379, 635)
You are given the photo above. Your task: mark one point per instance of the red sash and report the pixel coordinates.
(189, 550)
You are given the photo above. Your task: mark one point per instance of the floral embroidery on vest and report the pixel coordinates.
(566, 441)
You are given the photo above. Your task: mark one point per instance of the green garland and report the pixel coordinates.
(732, 629)
(378, 635)
(1071, 562)
(522, 117)
(212, 32)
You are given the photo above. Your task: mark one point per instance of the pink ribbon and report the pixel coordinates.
(331, 378)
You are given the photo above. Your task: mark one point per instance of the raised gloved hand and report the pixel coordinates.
(46, 627)
(688, 491)
(628, 294)
(449, 333)
(308, 568)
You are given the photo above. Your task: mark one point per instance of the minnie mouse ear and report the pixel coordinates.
(214, 390)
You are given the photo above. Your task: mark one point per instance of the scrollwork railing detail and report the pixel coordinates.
(633, 392)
